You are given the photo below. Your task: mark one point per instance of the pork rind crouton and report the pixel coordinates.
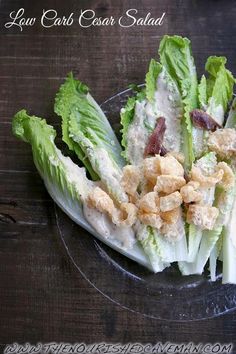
(169, 184)
(151, 219)
(171, 201)
(127, 215)
(169, 165)
(99, 199)
(203, 216)
(146, 187)
(149, 203)
(134, 198)
(151, 168)
(171, 216)
(173, 232)
(130, 179)
(228, 178)
(190, 193)
(206, 181)
(223, 142)
(177, 155)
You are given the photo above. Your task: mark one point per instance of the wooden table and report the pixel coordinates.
(42, 296)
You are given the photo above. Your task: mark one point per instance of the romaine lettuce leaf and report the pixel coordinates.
(231, 120)
(68, 185)
(215, 254)
(165, 102)
(85, 126)
(127, 115)
(229, 249)
(176, 57)
(216, 91)
(159, 249)
(151, 79)
(219, 87)
(140, 114)
(228, 235)
(208, 241)
(207, 164)
(172, 251)
(147, 238)
(202, 92)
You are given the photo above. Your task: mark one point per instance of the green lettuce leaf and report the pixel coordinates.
(63, 110)
(85, 125)
(68, 185)
(202, 92)
(164, 101)
(127, 115)
(208, 241)
(151, 79)
(176, 57)
(176, 251)
(56, 169)
(229, 249)
(219, 87)
(140, 115)
(215, 254)
(214, 93)
(147, 238)
(226, 202)
(231, 119)
(159, 249)
(207, 165)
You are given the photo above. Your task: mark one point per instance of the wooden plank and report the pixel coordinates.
(42, 296)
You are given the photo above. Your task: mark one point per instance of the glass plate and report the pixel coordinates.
(166, 295)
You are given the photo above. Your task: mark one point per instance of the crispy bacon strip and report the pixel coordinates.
(203, 120)
(154, 144)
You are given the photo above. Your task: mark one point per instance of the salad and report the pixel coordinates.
(167, 192)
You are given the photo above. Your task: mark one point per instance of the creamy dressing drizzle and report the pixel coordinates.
(104, 226)
(199, 143)
(138, 134)
(100, 221)
(166, 103)
(216, 111)
(110, 174)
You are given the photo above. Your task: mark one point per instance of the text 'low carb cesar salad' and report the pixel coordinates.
(169, 195)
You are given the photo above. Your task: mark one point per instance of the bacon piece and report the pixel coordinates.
(154, 144)
(203, 120)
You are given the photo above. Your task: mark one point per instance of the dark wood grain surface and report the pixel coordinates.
(42, 296)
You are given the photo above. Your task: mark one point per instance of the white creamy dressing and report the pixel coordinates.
(200, 136)
(199, 143)
(225, 203)
(137, 136)
(216, 111)
(207, 167)
(207, 164)
(176, 233)
(104, 226)
(108, 170)
(110, 173)
(99, 221)
(167, 104)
